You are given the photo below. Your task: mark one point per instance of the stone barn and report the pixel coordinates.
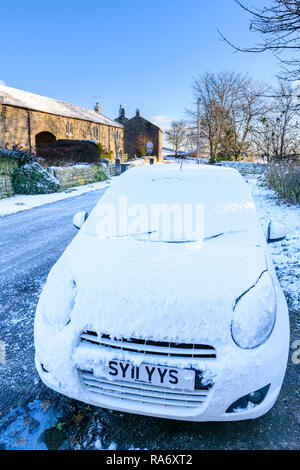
(33, 121)
(137, 132)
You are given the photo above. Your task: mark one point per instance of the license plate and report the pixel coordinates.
(182, 379)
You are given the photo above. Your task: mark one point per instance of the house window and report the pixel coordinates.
(95, 132)
(69, 128)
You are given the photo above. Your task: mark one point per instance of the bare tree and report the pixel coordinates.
(176, 135)
(279, 24)
(277, 137)
(141, 145)
(117, 139)
(190, 138)
(216, 94)
(231, 104)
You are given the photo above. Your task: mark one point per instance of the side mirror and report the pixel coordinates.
(79, 219)
(276, 232)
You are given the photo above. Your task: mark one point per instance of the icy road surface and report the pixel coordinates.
(33, 417)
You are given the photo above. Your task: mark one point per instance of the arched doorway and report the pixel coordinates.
(44, 139)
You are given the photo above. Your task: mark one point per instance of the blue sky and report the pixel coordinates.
(139, 53)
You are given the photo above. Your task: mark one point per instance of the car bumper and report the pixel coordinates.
(234, 373)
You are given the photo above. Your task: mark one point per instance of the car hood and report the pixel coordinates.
(176, 292)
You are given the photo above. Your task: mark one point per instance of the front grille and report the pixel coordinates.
(159, 348)
(143, 393)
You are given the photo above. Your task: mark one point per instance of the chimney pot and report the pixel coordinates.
(121, 112)
(97, 108)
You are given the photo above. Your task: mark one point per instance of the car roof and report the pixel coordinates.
(221, 192)
(185, 170)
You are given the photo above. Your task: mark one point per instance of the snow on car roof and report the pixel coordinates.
(226, 200)
(169, 169)
(165, 176)
(24, 99)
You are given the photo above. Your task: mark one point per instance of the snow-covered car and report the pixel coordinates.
(189, 325)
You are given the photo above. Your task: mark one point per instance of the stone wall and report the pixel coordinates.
(67, 176)
(75, 175)
(20, 126)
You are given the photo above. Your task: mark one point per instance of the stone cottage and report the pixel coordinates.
(137, 133)
(34, 121)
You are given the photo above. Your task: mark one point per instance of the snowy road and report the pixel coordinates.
(30, 243)
(30, 414)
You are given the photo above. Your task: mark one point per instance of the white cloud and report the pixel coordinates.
(162, 121)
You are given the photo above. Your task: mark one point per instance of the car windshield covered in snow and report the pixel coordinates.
(172, 204)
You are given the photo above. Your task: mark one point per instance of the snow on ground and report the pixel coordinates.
(246, 168)
(18, 203)
(285, 254)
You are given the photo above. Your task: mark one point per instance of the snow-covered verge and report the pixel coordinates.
(19, 203)
(285, 254)
(246, 168)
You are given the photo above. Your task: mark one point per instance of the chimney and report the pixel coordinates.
(122, 112)
(97, 108)
(137, 113)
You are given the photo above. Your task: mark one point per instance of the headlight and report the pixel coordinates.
(255, 314)
(58, 297)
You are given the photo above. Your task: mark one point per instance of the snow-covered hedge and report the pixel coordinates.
(285, 181)
(12, 159)
(101, 176)
(69, 152)
(246, 168)
(31, 178)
